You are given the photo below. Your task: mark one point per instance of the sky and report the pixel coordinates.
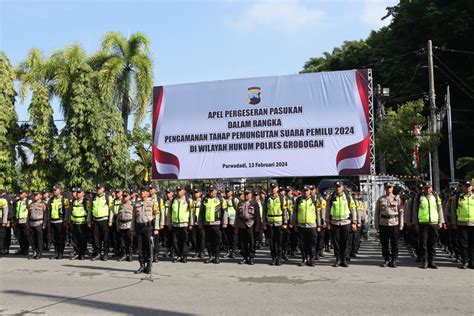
(193, 40)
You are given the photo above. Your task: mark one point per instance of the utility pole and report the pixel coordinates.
(450, 133)
(434, 123)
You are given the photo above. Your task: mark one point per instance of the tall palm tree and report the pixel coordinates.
(126, 74)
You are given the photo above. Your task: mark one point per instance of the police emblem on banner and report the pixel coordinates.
(253, 95)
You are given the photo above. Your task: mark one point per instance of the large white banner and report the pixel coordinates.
(298, 125)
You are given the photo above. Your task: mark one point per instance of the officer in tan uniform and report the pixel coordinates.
(388, 220)
(247, 216)
(124, 225)
(5, 225)
(36, 222)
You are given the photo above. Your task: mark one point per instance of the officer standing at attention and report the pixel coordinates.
(389, 219)
(37, 217)
(320, 210)
(98, 219)
(58, 208)
(212, 216)
(274, 219)
(4, 210)
(78, 220)
(342, 218)
(180, 220)
(246, 218)
(428, 218)
(145, 211)
(197, 234)
(305, 221)
(230, 236)
(125, 228)
(20, 217)
(462, 217)
(114, 236)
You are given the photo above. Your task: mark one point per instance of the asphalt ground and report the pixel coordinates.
(64, 287)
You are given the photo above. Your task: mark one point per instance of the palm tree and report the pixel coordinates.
(126, 74)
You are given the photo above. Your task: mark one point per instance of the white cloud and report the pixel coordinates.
(288, 16)
(374, 10)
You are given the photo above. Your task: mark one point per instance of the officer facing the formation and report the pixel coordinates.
(37, 218)
(98, 219)
(20, 217)
(58, 210)
(78, 220)
(212, 217)
(462, 219)
(342, 218)
(388, 221)
(124, 225)
(146, 210)
(428, 218)
(247, 216)
(230, 235)
(305, 220)
(180, 220)
(4, 210)
(274, 219)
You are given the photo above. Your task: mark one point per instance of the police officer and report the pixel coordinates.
(341, 220)
(293, 242)
(180, 220)
(4, 211)
(274, 219)
(197, 235)
(114, 236)
(124, 225)
(320, 203)
(388, 221)
(20, 217)
(47, 229)
(145, 211)
(166, 235)
(58, 209)
(37, 218)
(247, 215)
(157, 198)
(98, 219)
(229, 233)
(285, 234)
(212, 216)
(462, 216)
(428, 218)
(305, 221)
(78, 220)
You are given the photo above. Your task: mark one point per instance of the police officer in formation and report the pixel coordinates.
(36, 221)
(247, 217)
(78, 221)
(180, 221)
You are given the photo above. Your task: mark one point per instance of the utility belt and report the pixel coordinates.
(123, 221)
(98, 219)
(144, 224)
(341, 219)
(36, 219)
(389, 216)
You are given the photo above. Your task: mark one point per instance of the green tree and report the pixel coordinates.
(35, 75)
(141, 166)
(466, 163)
(126, 74)
(92, 145)
(8, 123)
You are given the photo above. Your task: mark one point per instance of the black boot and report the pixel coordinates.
(122, 258)
(424, 265)
(217, 260)
(141, 269)
(393, 263)
(148, 267)
(278, 261)
(209, 259)
(273, 261)
(337, 263)
(432, 265)
(464, 265)
(385, 263)
(344, 264)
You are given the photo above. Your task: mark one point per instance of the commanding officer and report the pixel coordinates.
(274, 219)
(124, 225)
(20, 217)
(389, 222)
(58, 209)
(5, 223)
(342, 217)
(462, 217)
(180, 220)
(37, 217)
(246, 218)
(197, 235)
(212, 216)
(230, 236)
(98, 218)
(305, 221)
(114, 236)
(145, 211)
(428, 218)
(78, 220)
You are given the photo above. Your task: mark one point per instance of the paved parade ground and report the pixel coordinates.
(84, 287)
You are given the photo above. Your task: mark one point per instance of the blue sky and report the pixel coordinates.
(193, 40)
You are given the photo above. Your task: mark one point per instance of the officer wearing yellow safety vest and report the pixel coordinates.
(320, 203)
(4, 224)
(229, 234)
(36, 221)
(180, 220)
(285, 236)
(78, 220)
(58, 208)
(98, 219)
(197, 235)
(274, 220)
(293, 240)
(306, 221)
(462, 219)
(20, 216)
(114, 237)
(341, 220)
(156, 238)
(427, 219)
(166, 236)
(212, 216)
